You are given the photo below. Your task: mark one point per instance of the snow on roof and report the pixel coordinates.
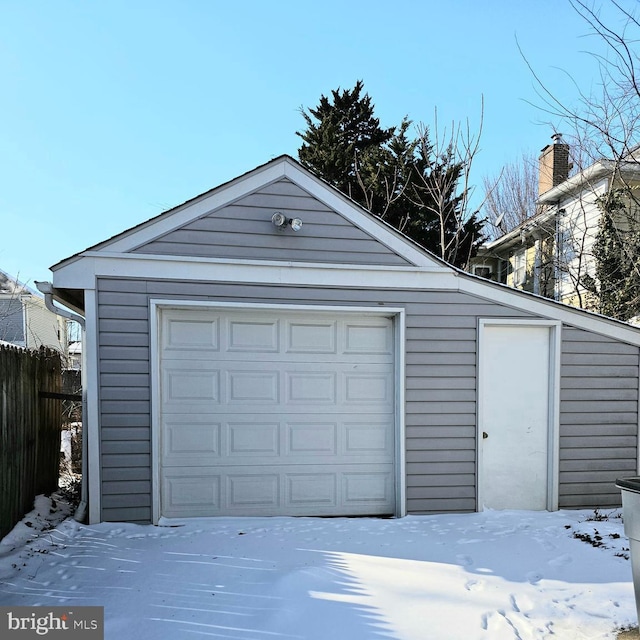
(12, 286)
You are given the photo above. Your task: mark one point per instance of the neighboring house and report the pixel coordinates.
(74, 358)
(551, 253)
(239, 364)
(24, 319)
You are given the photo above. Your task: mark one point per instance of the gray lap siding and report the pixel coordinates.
(326, 236)
(440, 393)
(598, 419)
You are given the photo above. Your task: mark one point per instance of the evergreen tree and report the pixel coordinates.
(338, 132)
(405, 182)
(385, 174)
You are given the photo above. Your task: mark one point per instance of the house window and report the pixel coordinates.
(483, 272)
(519, 267)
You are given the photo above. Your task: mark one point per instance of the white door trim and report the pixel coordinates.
(397, 314)
(553, 433)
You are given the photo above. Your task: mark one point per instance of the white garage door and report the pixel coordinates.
(276, 413)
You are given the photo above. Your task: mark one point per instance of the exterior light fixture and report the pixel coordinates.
(280, 221)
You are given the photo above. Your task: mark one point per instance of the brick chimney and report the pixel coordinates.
(553, 164)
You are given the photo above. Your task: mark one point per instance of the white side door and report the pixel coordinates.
(518, 376)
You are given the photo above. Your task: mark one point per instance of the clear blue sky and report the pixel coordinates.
(113, 111)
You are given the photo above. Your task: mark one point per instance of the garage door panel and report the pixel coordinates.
(253, 336)
(305, 387)
(253, 439)
(189, 385)
(252, 387)
(198, 440)
(195, 495)
(369, 388)
(353, 490)
(311, 439)
(368, 437)
(277, 414)
(253, 490)
(368, 487)
(370, 338)
(311, 337)
(310, 490)
(315, 385)
(181, 334)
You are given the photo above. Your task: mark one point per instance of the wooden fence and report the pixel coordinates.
(29, 429)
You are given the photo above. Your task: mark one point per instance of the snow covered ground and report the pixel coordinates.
(493, 575)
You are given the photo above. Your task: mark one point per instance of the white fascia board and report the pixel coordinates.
(367, 222)
(552, 310)
(580, 181)
(527, 226)
(81, 274)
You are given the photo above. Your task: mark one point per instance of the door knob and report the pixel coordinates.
(485, 435)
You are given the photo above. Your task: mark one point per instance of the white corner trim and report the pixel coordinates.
(555, 385)
(92, 419)
(155, 400)
(400, 431)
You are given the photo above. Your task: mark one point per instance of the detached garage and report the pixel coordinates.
(270, 348)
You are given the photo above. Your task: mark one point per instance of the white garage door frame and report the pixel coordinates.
(396, 314)
(553, 411)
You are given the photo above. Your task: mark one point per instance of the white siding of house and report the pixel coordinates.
(42, 327)
(577, 229)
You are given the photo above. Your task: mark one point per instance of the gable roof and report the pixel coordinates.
(283, 166)
(117, 257)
